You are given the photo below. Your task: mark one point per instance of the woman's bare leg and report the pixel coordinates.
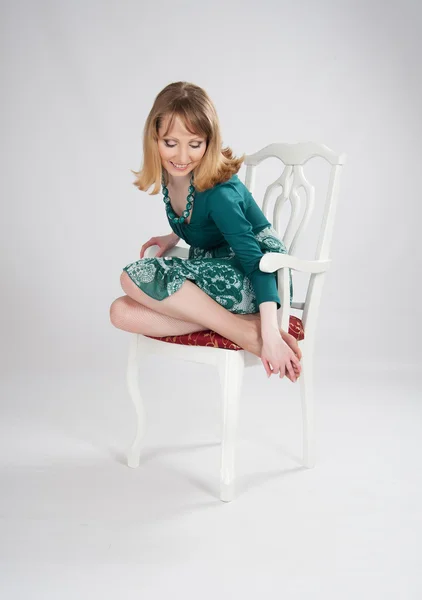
(190, 304)
(129, 315)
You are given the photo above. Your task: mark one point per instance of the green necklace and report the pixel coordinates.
(190, 198)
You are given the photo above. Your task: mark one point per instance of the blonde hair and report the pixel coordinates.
(193, 105)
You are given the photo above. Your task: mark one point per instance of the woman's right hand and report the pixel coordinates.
(279, 359)
(164, 242)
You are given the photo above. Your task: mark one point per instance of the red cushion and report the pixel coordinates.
(215, 340)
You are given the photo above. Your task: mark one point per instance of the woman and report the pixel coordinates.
(220, 286)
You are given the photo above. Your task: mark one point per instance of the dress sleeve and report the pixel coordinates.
(226, 208)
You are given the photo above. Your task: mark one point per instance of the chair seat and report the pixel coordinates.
(211, 338)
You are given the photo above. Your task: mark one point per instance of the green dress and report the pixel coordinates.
(228, 234)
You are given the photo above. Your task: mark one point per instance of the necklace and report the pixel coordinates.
(190, 198)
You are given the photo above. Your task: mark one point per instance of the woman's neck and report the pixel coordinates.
(179, 183)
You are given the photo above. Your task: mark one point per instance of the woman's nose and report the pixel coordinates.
(183, 156)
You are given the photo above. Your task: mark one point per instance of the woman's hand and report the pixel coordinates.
(276, 355)
(164, 242)
(278, 358)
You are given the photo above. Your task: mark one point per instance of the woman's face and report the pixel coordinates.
(180, 150)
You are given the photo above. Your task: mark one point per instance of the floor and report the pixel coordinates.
(76, 522)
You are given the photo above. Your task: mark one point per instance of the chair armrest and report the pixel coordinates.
(176, 251)
(272, 261)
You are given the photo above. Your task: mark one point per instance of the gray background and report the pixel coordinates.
(78, 80)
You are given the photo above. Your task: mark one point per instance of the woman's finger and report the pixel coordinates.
(290, 370)
(284, 373)
(144, 247)
(266, 366)
(296, 364)
(147, 244)
(275, 370)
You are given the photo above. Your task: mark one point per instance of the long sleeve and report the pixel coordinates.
(226, 207)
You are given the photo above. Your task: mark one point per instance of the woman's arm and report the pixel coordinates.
(164, 242)
(175, 238)
(269, 323)
(275, 352)
(225, 207)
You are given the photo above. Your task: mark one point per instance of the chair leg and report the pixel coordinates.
(307, 398)
(231, 370)
(133, 386)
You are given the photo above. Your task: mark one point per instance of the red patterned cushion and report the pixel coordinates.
(215, 340)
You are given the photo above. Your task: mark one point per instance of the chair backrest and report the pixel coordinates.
(292, 178)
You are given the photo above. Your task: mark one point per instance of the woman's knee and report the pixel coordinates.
(130, 288)
(135, 293)
(118, 311)
(125, 281)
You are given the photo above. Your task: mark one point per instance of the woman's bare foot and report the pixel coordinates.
(294, 346)
(251, 339)
(287, 337)
(291, 342)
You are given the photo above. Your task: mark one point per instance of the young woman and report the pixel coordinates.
(220, 286)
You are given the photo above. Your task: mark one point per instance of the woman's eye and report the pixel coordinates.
(173, 145)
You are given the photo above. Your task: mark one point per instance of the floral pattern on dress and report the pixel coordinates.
(215, 271)
(269, 238)
(144, 271)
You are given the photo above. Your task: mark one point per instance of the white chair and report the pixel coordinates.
(231, 363)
